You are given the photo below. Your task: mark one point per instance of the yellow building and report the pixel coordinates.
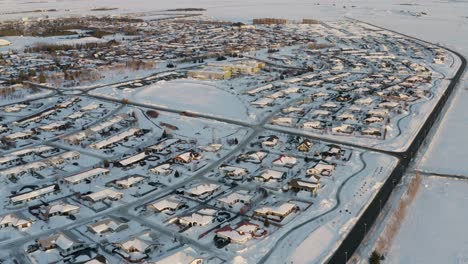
(210, 74)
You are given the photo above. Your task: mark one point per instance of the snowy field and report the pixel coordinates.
(434, 231)
(201, 97)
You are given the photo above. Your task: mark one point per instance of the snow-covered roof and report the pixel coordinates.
(203, 188)
(162, 169)
(263, 102)
(235, 197)
(164, 144)
(86, 175)
(233, 170)
(135, 244)
(285, 160)
(260, 89)
(8, 159)
(105, 225)
(199, 219)
(107, 124)
(61, 207)
(104, 194)
(130, 180)
(14, 220)
(116, 138)
(18, 170)
(283, 209)
(133, 159)
(33, 194)
(186, 256)
(212, 147)
(168, 203)
(271, 174)
(91, 106)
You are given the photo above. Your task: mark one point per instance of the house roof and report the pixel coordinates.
(185, 256)
(232, 198)
(133, 159)
(280, 210)
(135, 244)
(106, 193)
(85, 175)
(203, 188)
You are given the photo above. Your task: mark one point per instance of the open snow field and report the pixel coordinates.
(434, 230)
(201, 97)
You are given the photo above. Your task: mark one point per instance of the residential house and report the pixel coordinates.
(187, 157)
(202, 191)
(321, 169)
(271, 175)
(24, 197)
(285, 161)
(276, 213)
(233, 172)
(253, 157)
(305, 146)
(57, 209)
(108, 225)
(15, 220)
(86, 175)
(302, 185)
(162, 169)
(104, 195)
(65, 242)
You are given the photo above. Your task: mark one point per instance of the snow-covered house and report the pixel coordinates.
(233, 172)
(58, 209)
(305, 146)
(65, 242)
(34, 194)
(271, 175)
(285, 161)
(186, 256)
(242, 233)
(168, 205)
(141, 244)
(235, 198)
(162, 169)
(130, 161)
(129, 182)
(313, 125)
(202, 191)
(270, 141)
(187, 157)
(253, 157)
(111, 224)
(321, 169)
(106, 194)
(276, 213)
(201, 218)
(86, 175)
(302, 185)
(15, 220)
(282, 121)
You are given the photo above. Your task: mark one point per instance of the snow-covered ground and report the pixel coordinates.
(196, 96)
(434, 231)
